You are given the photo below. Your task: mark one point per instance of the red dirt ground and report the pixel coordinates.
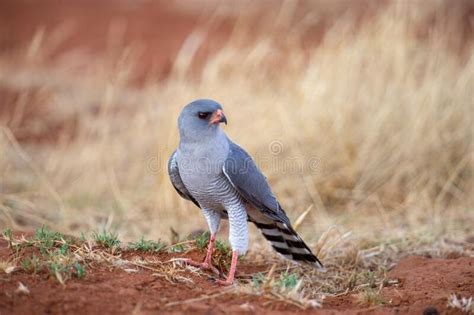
(423, 283)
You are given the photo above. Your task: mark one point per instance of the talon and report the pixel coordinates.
(227, 282)
(213, 269)
(206, 264)
(230, 277)
(203, 265)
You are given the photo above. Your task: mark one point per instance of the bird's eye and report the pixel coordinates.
(203, 115)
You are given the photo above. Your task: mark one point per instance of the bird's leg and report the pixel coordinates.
(210, 250)
(233, 266)
(207, 263)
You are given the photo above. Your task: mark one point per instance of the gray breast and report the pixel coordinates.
(205, 181)
(216, 194)
(201, 170)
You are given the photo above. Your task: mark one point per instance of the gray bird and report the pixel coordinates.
(221, 179)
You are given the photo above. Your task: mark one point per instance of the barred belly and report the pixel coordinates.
(212, 192)
(219, 199)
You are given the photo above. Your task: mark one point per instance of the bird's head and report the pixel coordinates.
(201, 117)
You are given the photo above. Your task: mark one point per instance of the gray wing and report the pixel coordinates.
(175, 178)
(251, 184)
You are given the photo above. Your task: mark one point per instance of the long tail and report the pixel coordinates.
(288, 243)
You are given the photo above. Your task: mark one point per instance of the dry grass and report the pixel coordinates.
(373, 128)
(461, 303)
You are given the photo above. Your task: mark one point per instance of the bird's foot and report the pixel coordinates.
(230, 278)
(225, 283)
(203, 265)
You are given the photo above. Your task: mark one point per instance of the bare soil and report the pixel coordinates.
(424, 284)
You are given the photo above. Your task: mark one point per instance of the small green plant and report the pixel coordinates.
(178, 248)
(202, 240)
(56, 255)
(82, 238)
(288, 280)
(147, 245)
(31, 264)
(63, 270)
(64, 249)
(224, 248)
(106, 239)
(258, 279)
(26, 264)
(45, 239)
(80, 271)
(8, 236)
(221, 258)
(55, 268)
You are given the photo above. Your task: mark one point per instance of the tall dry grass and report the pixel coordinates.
(372, 128)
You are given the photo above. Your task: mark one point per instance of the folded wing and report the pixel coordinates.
(176, 180)
(248, 180)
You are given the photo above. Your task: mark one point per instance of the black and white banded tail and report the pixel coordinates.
(288, 243)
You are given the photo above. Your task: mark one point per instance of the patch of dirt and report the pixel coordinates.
(428, 282)
(422, 283)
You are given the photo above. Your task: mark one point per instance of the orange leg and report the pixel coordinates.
(233, 266)
(207, 263)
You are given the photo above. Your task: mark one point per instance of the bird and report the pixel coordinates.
(222, 179)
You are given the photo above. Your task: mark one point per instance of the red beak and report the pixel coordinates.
(218, 117)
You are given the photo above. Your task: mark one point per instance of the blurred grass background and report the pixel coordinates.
(361, 111)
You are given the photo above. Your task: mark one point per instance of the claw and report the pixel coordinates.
(203, 265)
(224, 283)
(206, 264)
(230, 277)
(214, 270)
